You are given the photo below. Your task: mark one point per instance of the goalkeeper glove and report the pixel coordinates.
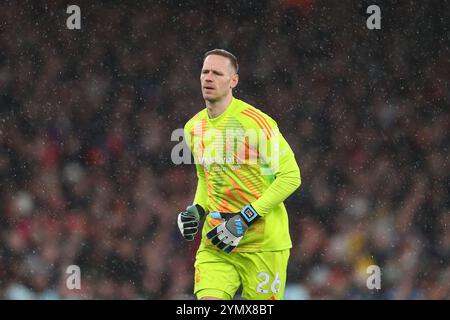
(188, 221)
(226, 236)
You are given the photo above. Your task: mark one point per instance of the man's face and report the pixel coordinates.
(218, 78)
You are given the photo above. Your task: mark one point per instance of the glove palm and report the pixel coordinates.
(188, 221)
(227, 235)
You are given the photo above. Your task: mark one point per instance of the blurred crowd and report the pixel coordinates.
(85, 142)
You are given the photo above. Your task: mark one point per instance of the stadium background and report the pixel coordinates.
(86, 118)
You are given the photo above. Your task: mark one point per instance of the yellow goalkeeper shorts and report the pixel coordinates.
(261, 274)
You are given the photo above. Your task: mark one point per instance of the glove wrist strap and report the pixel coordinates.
(249, 215)
(200, 210)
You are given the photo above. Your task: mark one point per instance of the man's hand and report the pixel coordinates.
(226, 236)
(188, 221)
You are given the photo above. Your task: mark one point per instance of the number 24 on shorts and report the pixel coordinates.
(274, 287)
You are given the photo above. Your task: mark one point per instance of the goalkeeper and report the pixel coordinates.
(245, 171)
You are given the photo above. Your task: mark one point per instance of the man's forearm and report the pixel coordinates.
(286, 182)
(201, 194)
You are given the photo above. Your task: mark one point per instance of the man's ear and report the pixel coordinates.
(234, 81)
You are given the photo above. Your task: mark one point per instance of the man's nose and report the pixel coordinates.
(208, 77)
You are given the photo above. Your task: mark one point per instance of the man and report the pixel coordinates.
(245, 170)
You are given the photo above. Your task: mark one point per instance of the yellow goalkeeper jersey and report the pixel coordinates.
(241, 158)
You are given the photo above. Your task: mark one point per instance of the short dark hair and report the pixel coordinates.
(226, 54)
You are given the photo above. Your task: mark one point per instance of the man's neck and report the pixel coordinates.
(216, 108)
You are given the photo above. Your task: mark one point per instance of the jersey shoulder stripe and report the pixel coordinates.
(259, 119)
(199, 116)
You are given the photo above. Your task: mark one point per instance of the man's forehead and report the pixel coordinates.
(216, 61)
